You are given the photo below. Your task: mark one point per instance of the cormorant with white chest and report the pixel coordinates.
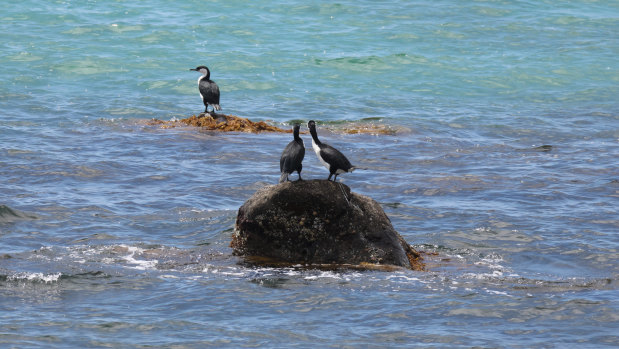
(209, 91)
(292, 156)
(330, 157)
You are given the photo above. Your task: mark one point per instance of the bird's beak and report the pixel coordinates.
(194, 69)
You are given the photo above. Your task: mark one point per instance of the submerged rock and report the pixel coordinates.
(319, 222)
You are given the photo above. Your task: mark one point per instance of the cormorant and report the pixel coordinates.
(209, 91)
(292, 156)
(330, 157)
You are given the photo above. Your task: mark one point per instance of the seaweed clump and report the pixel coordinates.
(220, 122)
(233, 123)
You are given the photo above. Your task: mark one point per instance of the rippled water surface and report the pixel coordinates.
(502, 166)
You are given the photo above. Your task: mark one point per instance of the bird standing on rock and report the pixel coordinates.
(209, 91)
(330, 157)
(292, 156)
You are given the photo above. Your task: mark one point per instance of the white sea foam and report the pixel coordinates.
(228, 273)
(324, 275)
(484, 276)
(139, 264)
(46, 278)
(402, 277)
(501, 293)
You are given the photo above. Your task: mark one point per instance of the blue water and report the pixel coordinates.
(502, 166)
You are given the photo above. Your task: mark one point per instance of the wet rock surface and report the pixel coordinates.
(319, 222)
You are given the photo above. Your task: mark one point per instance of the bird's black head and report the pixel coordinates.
(203, 70)
(312, 128)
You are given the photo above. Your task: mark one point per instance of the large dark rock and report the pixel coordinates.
(319, 222)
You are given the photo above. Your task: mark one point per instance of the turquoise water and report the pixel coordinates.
(503, 168)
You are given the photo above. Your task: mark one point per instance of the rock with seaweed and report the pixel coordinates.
(220, 122)
(318, 222)
(232, 123)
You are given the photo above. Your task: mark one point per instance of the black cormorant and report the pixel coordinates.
(292, 156)
(332, 158)
(209, 91)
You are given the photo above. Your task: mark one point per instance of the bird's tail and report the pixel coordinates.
(216, 107)
(283, 177)
(358, 168)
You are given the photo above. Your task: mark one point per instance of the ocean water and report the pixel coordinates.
(502, 166)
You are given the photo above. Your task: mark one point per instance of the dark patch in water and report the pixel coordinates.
(9, 215)
(372, 118)
(85, 275)
(350, 60)
(543, 148)
(296, 121)
(270, 282)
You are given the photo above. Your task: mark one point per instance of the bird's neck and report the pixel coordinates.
(314, 136)
(206, 75)
(296, 134)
